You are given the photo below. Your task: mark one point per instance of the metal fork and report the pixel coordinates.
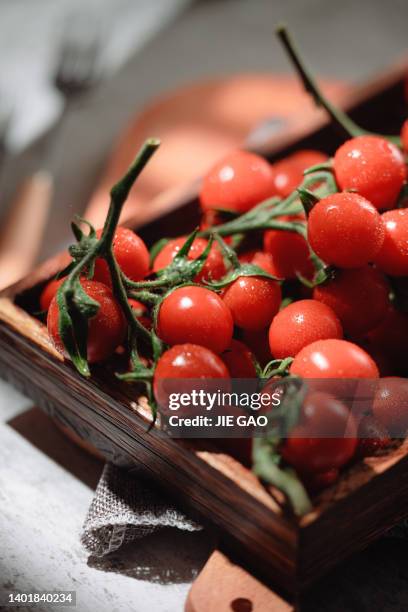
(78, 66)
(76, 72)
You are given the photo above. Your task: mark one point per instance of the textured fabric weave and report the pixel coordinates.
(125, 508)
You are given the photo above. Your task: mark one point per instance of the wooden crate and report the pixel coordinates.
(212, 486)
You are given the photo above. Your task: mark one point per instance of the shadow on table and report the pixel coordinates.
(169, 556)
(40, 430)
(375, 579)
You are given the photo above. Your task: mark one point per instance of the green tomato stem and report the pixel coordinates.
(284, 479)
(337, 115)
(120, 293)
(309, 83)
(120, 191)
(264, 215)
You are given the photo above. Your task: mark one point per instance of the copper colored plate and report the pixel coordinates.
(198, 124)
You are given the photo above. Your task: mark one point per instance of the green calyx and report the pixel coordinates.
(75, 306)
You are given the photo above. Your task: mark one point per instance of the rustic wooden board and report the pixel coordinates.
(223, 586)
(214, 487)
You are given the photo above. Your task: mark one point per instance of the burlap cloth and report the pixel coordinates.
(126, 508)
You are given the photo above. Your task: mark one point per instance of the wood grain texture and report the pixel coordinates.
(223, 586)
(113, 416)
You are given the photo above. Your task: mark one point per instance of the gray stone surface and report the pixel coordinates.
(46, 487)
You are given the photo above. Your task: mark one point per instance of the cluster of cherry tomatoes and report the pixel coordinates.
(350, 326)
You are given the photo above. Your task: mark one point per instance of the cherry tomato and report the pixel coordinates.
(258, 258)
(345, 230)
(196, 315)
(373, 167)
(307, 158)
(49, 291)
(404, 136)
(253, 301)
(186, 361)
(333, 358)
(190, 361)
(289, 251)
(239, 360)
(214, 267)
(288, 173)
(238, 182)
(300, 324)
(131, 254)
(390, 406)
(372, 436)
(106, 330)
(324, 438)
(265, 261)
(392, 258)
(359, 297)
(141, 312)
(139, 308)
(246, 256)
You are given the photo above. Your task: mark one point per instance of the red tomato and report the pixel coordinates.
(106, 330)
(307, 158)
(141, 312)
(239, 360)
(404, 136)
(289, 251)
(288, 173)
(359, 297)
(333, 358)
(196, 315)
(138, 307)
(253, 301)
(345, 230)
(265, 261)
(324, 438)
(190, 361)
(373, 167)
(214, 267)
(131, 255)
(238, 182)
(300, 324)
(372, 436)
(246, 256)
(390, 406)
(258, 258)
(392, 258)
(49, 291)
(186, 361)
